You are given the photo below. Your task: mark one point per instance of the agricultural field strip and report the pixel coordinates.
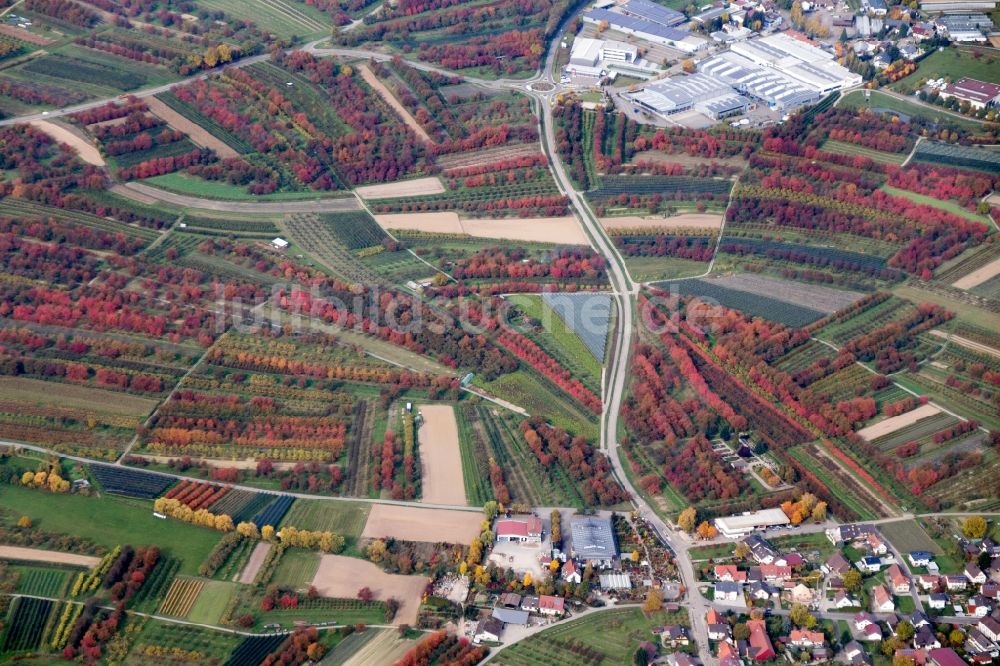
(894, 423)
(965, 342)
(813, 297)
(978, 276)
(53, 556)
(394, 104)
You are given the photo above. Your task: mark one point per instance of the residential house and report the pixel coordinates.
(518, 529)
(897, 580)
(836, 564)
(714, 617)
(919, 558)
(729, 655)
(856, 655)
(937, 601)
(510, 600)
(761, 648)
(774, 573)
(974, 574)
(989, 589)
(955, 583)
(761, 591)
(675, 636)
(530, 604)
(843, 599)
(990, 627)
(729, 572)
(571, 573)
(919, 657)
(802, 595)
(979, 645)
(489, 629)
(926, 639)
(882, 600)
(804, 638)
(978, 606)
(682, 659)
(549, 605)
(875, 544)
(863, 620)
(762, 552)
(869, 564)
(944, 657)
(928, 582)
(720, 632)
(917, 619)
(850, 532)
(872, 632)
(989, 547)
(728, 591)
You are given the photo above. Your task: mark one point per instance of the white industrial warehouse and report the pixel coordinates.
(778, 70)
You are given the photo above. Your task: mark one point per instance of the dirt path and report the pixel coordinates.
(411, 523)
(684, 221)
(561, 230)
(369, 76)
(965, 342)
(196, 132)
(56, 557)
(151, 195)
(87, 151)
(256, 561)
(978, 276)
(341, 577)
(403, 188)
(894, 423)
(440, 456)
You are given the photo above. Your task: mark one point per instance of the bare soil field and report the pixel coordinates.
(256, 561)
(685, 221)
(385, 648)
(411, 523)
(23, 35)
(815, 297)
(43, 393)
(894, 423)
(978, 276)
(148, 194)
(369, 76)
(403, 188)
(195, 132)
(562, 230)
(56, 557)
(660, 157)
(440, 456)
(969, 344)
(341, 577)
(238, 463)
(87, 151)
(488, 156)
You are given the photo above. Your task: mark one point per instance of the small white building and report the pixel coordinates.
(735, 527)
(279, 244)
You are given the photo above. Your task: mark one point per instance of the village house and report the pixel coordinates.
(761, 648)
(836, 564)
(761, 591)
(979, 645)
(990, 628)
(774, 573)
(674, 636)
(530, 604)
(919, 558)
(925, 639)
(882, 600)
(944, 657)
(937, 601)
(804, 638)
(897, 580)
(974, 574)
(762, 552)
(518, 529)
(978, 606)
(856, 655)
(956, 583)
(509, 600)
(869, 564)
(489, 629)
(842, 534)
(682, 659)
(927, 582)
(801, 594)
(728, 591)
(570, 573)
(720, 632)
(875, 544)
(729, 572)
(552, 606)
(843, 599)
(729, 655)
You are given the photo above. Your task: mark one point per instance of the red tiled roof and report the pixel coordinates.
(971, 89)
(546, 602)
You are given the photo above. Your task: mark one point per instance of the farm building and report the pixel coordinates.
(743, 524)
(511, 615)
(521, 529)
(489, 629)
(978, 94)
(594, 540)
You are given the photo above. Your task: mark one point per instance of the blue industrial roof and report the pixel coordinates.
(654, 12)
(637, 24)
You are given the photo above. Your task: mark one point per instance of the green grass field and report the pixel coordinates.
(856, 100)
(110, 521)
(647, 269)
(907, 535)
(879, 156)
(539, 396)
(949, 206)
(560, 336)
(169, 635)
(613, 634)
(211, 602)
(209, 189)
(346, 518)
(297, 568)
(952, 64)
(283, 18)
(41, 581)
